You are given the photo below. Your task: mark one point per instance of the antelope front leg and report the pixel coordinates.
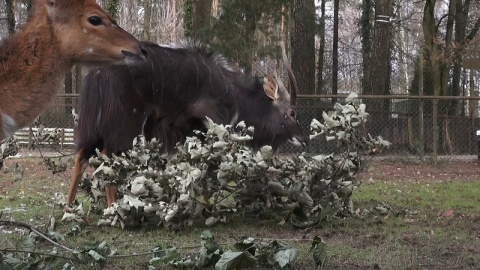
(111, 191)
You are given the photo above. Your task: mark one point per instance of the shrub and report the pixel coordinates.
(215, 174)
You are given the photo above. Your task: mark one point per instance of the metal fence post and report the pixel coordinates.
(420, 107)
(477, 136)
(435, 130)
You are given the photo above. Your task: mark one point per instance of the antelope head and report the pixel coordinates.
(284, 124)
(87, 34)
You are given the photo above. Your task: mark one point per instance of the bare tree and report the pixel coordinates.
(336, 7)
(9, 4)
(366, 35)
(303, 44)
(432, 60)
(321, 49)
(112, 7)
(201, 16)
(146, 19)
(381, 43)
(461, 38)
(379, 64)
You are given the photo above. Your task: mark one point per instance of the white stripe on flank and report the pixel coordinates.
(9, 125)
(234, 119)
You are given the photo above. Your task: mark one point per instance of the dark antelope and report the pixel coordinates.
(168, 96)
(58, 34)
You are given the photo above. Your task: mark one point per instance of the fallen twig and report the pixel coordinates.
(33, 229)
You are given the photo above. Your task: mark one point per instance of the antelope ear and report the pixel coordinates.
(270, 87)
(49, 5)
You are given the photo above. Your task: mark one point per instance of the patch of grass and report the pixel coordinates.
(423, 196)
(428, 240)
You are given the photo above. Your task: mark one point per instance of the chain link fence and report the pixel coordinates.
(424, 128)
(418, 127)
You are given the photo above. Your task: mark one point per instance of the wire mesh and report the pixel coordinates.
(398, 120)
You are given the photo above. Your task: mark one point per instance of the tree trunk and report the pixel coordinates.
(188, 18)
(9, 5)
(336, 4)
(250, 27)
(146, 19)
(461, 17)
(448, 43)
(68, 90)
(197, 17)
(303, 45)
(321, 50)
(432, 58)
(201, 17)
(402, 41)
(380, 66)
(112, 7)
(461, 39)
(366, 33)
(381, 44)
(29, 5)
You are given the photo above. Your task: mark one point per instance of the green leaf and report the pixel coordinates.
(96, 256)
(207, 235)
(56, 236)
(235, 260)
(208, 242)
(183, 263)
(133, 201)
(5, 266)
(283, 257)
(351, 97)
(9, 262)
(26, 243)
(247, 244)
(319, 252)
(165, 255)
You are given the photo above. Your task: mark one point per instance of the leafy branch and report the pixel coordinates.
(216, 174)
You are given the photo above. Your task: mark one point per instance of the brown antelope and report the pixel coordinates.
(58, 34)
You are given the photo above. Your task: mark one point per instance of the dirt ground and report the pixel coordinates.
(355, 244)
(33, 166)
(402, 171)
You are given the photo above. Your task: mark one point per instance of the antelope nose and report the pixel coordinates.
(128, 53)
(135, 57)
(142, 53)
(304, 143)
(137, 52)
(306, 140)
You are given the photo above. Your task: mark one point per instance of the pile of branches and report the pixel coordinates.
(8, 147)
(215, 174)
(37, 250)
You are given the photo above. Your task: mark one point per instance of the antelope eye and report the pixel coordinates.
(292, 113)
(95, 20)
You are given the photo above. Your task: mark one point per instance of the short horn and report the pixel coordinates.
(293, 81)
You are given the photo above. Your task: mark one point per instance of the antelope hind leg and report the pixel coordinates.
(110, 190)
(80, 165)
